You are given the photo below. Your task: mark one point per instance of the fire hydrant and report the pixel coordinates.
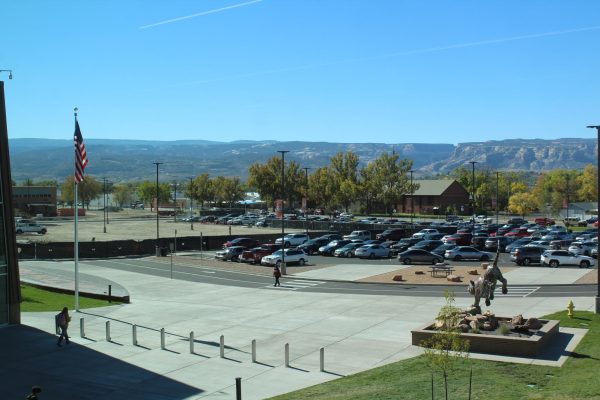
(570, 308)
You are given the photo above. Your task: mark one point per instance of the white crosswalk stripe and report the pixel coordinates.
(294, 284)
(521, 291)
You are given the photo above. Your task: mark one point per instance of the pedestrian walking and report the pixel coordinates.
(34, 393)
(277, 275)
(62, 320)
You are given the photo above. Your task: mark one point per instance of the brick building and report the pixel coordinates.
(34, 200)
(444, 195)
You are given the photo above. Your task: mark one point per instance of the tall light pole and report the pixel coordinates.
(412, 198)
(191, 208)
(157, 236)
(174, 201)
(497, 191)
(104, 211)
(473, 197)
(283, 269)
(597, 128)
(306, 200)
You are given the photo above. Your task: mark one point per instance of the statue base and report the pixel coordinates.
(515, 344)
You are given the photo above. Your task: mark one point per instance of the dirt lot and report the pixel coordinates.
(131, 224)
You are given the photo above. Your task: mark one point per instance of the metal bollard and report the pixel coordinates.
(134, 340)
(192, 342)
(162, 338)
(110, 293)
(238, 388)
(287, 354)
(253, 350)
(108, 331)
(322, 359)
(222, 346)
(81, 327)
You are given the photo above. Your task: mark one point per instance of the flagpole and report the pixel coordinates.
(76, 243)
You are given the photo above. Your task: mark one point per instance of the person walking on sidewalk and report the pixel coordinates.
(277, 275)
(62, 320)
(34, 393)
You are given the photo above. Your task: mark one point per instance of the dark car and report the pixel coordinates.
(516, 221)
(526, 255)
(244, 242)
(427, 245)
(492, 243)
(328, 249)
(312, 246)
(460, 239)
(403, 245)
(441, 250)
(479, 242)
(331, 237)
(391, 234)
(411, 256)
(518, 243)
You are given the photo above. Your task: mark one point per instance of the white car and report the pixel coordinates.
(358, 235)
(293, 239)
(372, 251)
(423, 232)
(291, 256)
(554, 258)
(584, 248)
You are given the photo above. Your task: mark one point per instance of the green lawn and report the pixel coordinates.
(34, 299)
(578, 378)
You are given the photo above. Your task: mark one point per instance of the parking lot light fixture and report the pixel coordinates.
(306, 200)
(597, 128)
(157, 202)
(283, 269)
(473, 196)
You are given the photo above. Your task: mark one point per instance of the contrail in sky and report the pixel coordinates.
(168, 21)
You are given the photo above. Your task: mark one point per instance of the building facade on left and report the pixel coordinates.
(10, 296)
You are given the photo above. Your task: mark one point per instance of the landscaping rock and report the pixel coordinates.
(419, 272)
(397, 278)
(453, 278)
(517, 320)
(473, 272)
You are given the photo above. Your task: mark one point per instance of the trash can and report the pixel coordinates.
(157, 251)
(164, 251)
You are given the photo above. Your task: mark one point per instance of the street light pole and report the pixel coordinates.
(191, 208)
(104, 211)
(157, 201)
(306, 200)
(597, 127)
(412, 198)
(283, 269)
(473, 197)
(497, 190)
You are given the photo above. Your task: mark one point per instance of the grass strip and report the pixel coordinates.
(35, 299)
(411, 379)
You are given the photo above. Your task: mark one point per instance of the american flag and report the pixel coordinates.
(81, 159)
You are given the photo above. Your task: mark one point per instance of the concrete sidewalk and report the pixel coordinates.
(357, 332)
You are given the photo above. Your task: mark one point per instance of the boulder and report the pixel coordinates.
(464, 328)
(453, 278)
(517, 320)
(474, 325)
(533, 323)
(473, 272)
(419, 272)
(487, 326)
(397, 278)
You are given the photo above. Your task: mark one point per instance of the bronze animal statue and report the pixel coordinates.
(485, 285)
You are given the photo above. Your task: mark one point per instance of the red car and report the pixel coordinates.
(255, 255)
(460, 239)
(244, 242)
(543, 221)
(518, 233)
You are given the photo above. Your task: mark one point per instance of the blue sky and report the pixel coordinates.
(316, 70)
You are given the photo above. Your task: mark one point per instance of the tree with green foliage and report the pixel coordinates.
(343, 168)
(123, 193)
(87, 190)
(147, 192)
(446, 346)
(201, 189)
(266, 180)
(228, 190)
(556, 188)
(588, 184)
(321, 188)
(390, 173)
(522, 203)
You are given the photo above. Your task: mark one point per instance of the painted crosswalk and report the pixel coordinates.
(516, 291)
(295, 284)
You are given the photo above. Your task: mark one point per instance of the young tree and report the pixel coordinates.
(123, 194)
(87, 190)
(391, 179)
(266, 179)
(522, 203)
(202, 189)
(229, 190)
(147, 191)
(321, 188)
(344, 170)
(588, 184)
(446, 346)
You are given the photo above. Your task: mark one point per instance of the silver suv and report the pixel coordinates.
(293, 239)
(554, 258)
(29, 227)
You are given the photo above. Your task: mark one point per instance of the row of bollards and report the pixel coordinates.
(134, 340)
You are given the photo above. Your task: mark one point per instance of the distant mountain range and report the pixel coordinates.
(132, 160)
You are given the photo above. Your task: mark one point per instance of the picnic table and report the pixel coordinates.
(440, 270)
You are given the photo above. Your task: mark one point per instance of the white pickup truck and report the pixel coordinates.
(29, 227)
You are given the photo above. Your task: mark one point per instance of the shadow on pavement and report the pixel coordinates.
(30, 357)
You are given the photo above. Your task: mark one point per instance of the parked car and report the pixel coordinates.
(518, 243)
(516, 221)
(540, 243)
(312, 246)
(526, 255)
(574, 221)
(30, 227)
(423, 232)
(554, 258)
(256, 254)
(460, 239)
(441, 250)
(427, 245)
(358, 235)
(403, 245)
(244, 242)
(493, 243)
(332, 246)
(231, 253)
(479, 242)
(560, 244)
(518, 233)
(543, 221)
(331, 236)
(372, 251)
(411, 256)
(293, 239)
(391, 234)
(584, 248)
(467, 253)
(347, 250)
(292, 256)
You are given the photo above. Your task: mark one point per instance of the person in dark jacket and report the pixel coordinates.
(277, 275)
(62, 320)
(34, 393)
